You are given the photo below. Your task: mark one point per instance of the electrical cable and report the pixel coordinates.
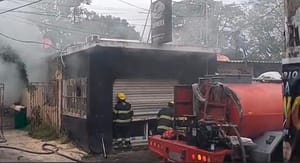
(28, 4)
(48, 149)
(28, 41)
(130, 4)
(53, 15)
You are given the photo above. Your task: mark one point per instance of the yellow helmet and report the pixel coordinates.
(171, 103)
(121, 96)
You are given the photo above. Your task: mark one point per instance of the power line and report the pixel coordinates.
(41, 9)
(53, 27)
(56, 27)
(28, 41)
(53, 15)
(130, 4)
(28, 4)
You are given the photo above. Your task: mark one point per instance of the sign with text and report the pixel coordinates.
(161, 21)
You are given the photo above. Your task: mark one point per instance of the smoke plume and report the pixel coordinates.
(20, 62)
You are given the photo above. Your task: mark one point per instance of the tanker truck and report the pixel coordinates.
(226, 118)
(291, 81)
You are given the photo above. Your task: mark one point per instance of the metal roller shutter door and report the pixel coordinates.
(146, 96)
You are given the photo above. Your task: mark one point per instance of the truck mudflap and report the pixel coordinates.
(268, 147)
(179, 151)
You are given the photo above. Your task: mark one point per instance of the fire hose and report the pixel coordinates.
(47, 148)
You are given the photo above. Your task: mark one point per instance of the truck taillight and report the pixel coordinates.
(199, 157)
(204, 158)
(193, 157)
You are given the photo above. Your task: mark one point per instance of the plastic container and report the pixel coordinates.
(20, 118)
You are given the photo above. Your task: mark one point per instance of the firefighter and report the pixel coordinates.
(165, 118)
(122, 118)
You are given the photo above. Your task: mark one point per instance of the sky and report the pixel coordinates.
(135, 15)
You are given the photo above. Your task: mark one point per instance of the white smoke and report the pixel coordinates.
(15, 25)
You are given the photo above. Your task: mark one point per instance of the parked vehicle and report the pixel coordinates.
(239, 120)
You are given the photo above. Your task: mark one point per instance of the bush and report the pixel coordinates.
(43, 131)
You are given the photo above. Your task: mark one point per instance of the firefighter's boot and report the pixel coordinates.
(118, 144)
(127, 144)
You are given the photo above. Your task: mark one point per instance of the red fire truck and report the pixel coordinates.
(226, 118)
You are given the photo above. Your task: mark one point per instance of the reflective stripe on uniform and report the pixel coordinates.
(166, 117)
(127, 139)
(124, 111)
(122, 121)
(164, 127)
(181, 118)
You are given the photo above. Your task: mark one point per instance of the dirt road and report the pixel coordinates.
(20, 139)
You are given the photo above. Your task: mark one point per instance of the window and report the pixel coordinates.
(74, 97)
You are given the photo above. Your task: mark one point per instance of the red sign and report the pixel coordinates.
(47, 43)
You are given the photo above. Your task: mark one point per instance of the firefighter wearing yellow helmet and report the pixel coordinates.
(122, 117)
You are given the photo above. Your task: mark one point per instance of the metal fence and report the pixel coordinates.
(7, 114)
(43, 103)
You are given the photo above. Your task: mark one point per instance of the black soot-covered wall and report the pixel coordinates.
(76, 66)
(107, 64)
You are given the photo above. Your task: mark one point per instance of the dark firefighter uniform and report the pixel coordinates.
(122, 117)
(165, 118)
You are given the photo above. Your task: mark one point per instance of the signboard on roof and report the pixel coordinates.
(161, 21)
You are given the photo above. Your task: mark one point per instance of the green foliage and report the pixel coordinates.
(44, 132)
(252, 30)
(72, 23)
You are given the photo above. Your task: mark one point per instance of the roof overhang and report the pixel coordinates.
(138, 46)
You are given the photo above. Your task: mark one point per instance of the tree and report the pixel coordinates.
(70, 23)
(244, 31)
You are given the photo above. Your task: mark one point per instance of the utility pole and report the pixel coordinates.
(150, 31)
(206, 23)
(74, 15)
(146, 22)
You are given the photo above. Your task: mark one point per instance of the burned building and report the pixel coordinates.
(92, 75)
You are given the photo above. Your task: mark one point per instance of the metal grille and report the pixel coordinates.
(75, 97)
(145, 96)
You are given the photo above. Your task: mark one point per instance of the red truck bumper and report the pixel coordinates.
(179, 151)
